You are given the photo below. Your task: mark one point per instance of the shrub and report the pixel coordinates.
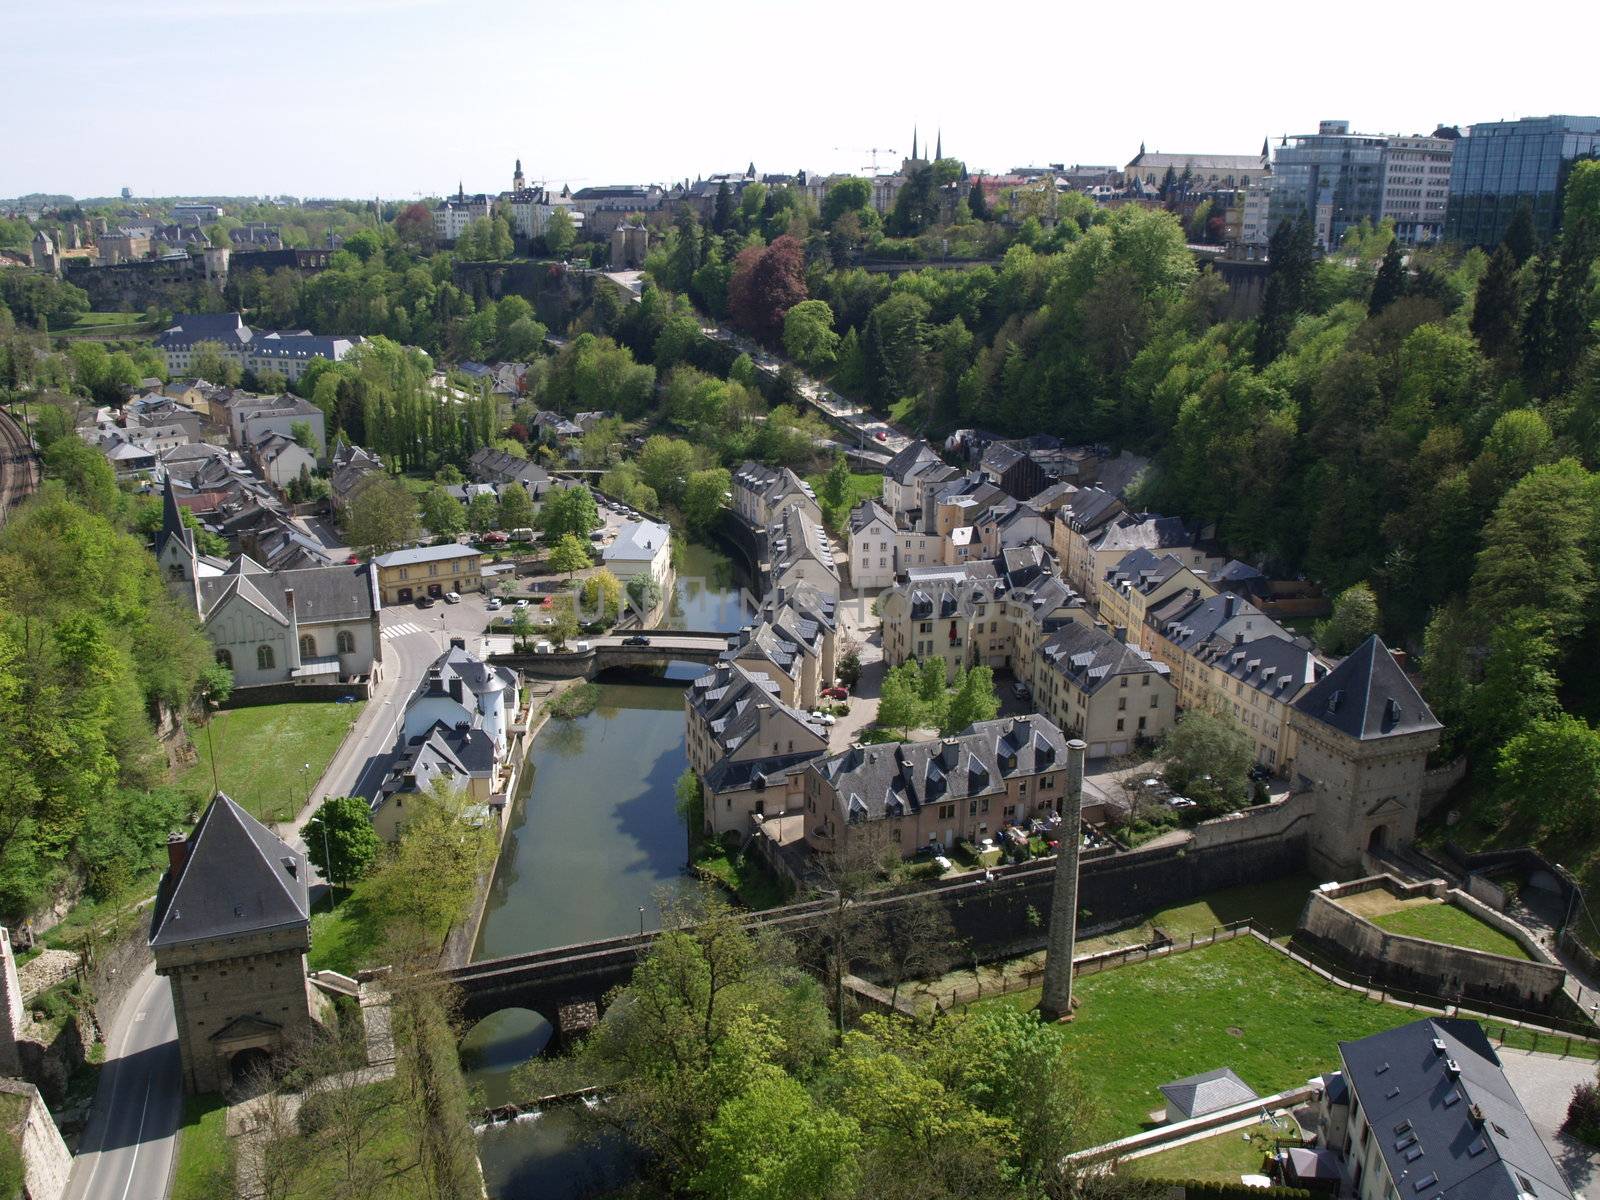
(1583, 1114)
(576, 702)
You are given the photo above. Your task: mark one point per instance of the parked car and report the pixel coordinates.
(523, 603)
(352, 561)
(494, 604)
(495, 538)
(452, 597)
(836, 693)
(424, 601)
(637, 639)
(522, 534)
(1019, 690)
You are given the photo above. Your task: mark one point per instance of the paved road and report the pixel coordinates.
(127, 1149)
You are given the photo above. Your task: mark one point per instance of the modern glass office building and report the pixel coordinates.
(1332, 177)
(1500, 165)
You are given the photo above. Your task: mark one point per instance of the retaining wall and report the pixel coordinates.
(46, 1163)
(287, 693)
(1431, 968)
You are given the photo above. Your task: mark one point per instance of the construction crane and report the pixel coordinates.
(872, 150)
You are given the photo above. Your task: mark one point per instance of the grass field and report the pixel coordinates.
(344, 940)
(745, 876)
(314, 1163)
(1237, 1004)
(261, 753)
(1222, 1158)
(204, 1170)
(1441, 922)
(862, 487)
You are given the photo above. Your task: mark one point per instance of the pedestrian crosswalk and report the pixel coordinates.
(390, 632)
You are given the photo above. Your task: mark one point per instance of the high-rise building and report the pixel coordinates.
(1416, 187)
(1333, 177)
(1500, 165)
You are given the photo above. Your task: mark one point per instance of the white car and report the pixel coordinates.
(941, 862)
(494, 604)
(523, 603)
(452, 597)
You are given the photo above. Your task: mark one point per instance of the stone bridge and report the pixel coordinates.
(608, 652)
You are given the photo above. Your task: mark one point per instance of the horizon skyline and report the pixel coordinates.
(403, 99)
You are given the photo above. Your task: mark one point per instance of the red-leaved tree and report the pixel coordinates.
(767, 282)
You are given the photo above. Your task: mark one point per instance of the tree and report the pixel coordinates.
(690, 803)
(1520, 240)
(569, 555)
(482, 511)
(1496, 305)
(836, 486)
(1518, 687)
(808, 335)
(665, 464)
(210, 361)
(340, 839)
(1291, 253)
(442, 513)
(1353, 620)
(521, 628)
(568, 510)
(644, 593)
(767, 282)
(1390, 284)
(303, 437)
(900, 704)
(919, 942)
(774, 1142)
(381, 516)
(1205, 757)
(602, 597)
(1550, 774)
(848, 195)
(516, 508)
(977, 201)
(559, 233)
(974, 699)
(702, 499)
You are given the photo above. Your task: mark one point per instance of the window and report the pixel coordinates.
(308, 646)
(1122, 704)
(1120, 723)
(346, 642)
(1155, 701)
(947, 812)
(225, 659)
(1123, 682)
(264, 661)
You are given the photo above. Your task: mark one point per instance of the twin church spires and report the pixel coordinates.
(938, 145)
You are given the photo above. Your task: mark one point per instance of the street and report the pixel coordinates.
(127, 1148)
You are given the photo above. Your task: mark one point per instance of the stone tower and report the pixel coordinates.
(1363, 734)
(176, 554)
(517, 181)
(44, 255)
(230, 931)
(1056, 1002)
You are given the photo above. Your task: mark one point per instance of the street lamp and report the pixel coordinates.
(641, 920)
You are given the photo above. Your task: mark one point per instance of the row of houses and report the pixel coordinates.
(783, 519)
(290, 353)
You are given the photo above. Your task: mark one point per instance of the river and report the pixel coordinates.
(594, 844)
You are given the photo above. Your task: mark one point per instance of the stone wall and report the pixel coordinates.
(289, 693)
(45, 1159)
(1288, 817)
(1428, 968)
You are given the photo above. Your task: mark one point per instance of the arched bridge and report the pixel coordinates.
(613, 650)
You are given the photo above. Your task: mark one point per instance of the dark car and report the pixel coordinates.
(424, 601)
(637, 639)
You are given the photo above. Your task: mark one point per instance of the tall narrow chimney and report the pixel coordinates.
(1056, 1002)
(177, 854)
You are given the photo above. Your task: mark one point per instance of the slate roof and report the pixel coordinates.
(439, 752)
(1143, 571)
(728, 699)
(912, 455)
(1147, 532)
(1368, 696)
(637, 541)
(189, 328)
(896, 778)
(238, 878)
(341, 592)
(866, 512)
(1090, 509)
(1445, 1118)
(1188, 621)
(1090, 658)
(1273, 665)
(425, 554)
(497, 466)
(476, 676)
(1207, 1092)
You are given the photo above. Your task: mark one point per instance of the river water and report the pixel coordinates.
(594, 844)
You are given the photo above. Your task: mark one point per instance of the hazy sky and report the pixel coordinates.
(400, 97)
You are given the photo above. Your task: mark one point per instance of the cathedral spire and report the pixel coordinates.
(938, 146)
(1266, 151)
(913, 143)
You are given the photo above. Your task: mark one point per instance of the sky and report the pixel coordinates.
(406, 98)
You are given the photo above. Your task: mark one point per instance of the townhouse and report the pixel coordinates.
(919, 794)
(800, 552)
(1140, 580)
(793, 643)
(1097, 687)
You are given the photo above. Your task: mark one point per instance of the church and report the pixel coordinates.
(304, 625)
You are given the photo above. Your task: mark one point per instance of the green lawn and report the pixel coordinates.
(1236, 1004)
(901, 410)
(862, 487)
(747, 877)
(204, 1170)
(1221, 1159)
(261, 753)
(346, 939)
(1450, 925)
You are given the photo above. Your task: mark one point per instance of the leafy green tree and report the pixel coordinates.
(340, 839)
(482, 511)
(303, 437)
(602, 596)
(973, 699)
(380, 517)
(644, 593)
(900, 704)
(665, 465)
(521, 628)
(442, 513)
(559, 233)
(1206, 757)
(836, 484)
(1353, 620)
(774, 1142)
(702, 499)
(515, 508)
(1550, 774)
(1520, 240)
(690, 800)
(851, 194)
(808, 335)
(1518, 686)
(569, 555)
(569, 510)
(211, 362)
(87, 475)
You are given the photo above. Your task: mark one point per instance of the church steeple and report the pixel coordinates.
(461, 192)
(1266, 151)
(517, 181)
(938, 146)
(913, 143)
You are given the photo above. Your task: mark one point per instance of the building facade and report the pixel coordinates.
(1498, 166)
(1416, 187)
(404, 575)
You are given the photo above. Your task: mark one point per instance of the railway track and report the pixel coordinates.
(19, 466)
